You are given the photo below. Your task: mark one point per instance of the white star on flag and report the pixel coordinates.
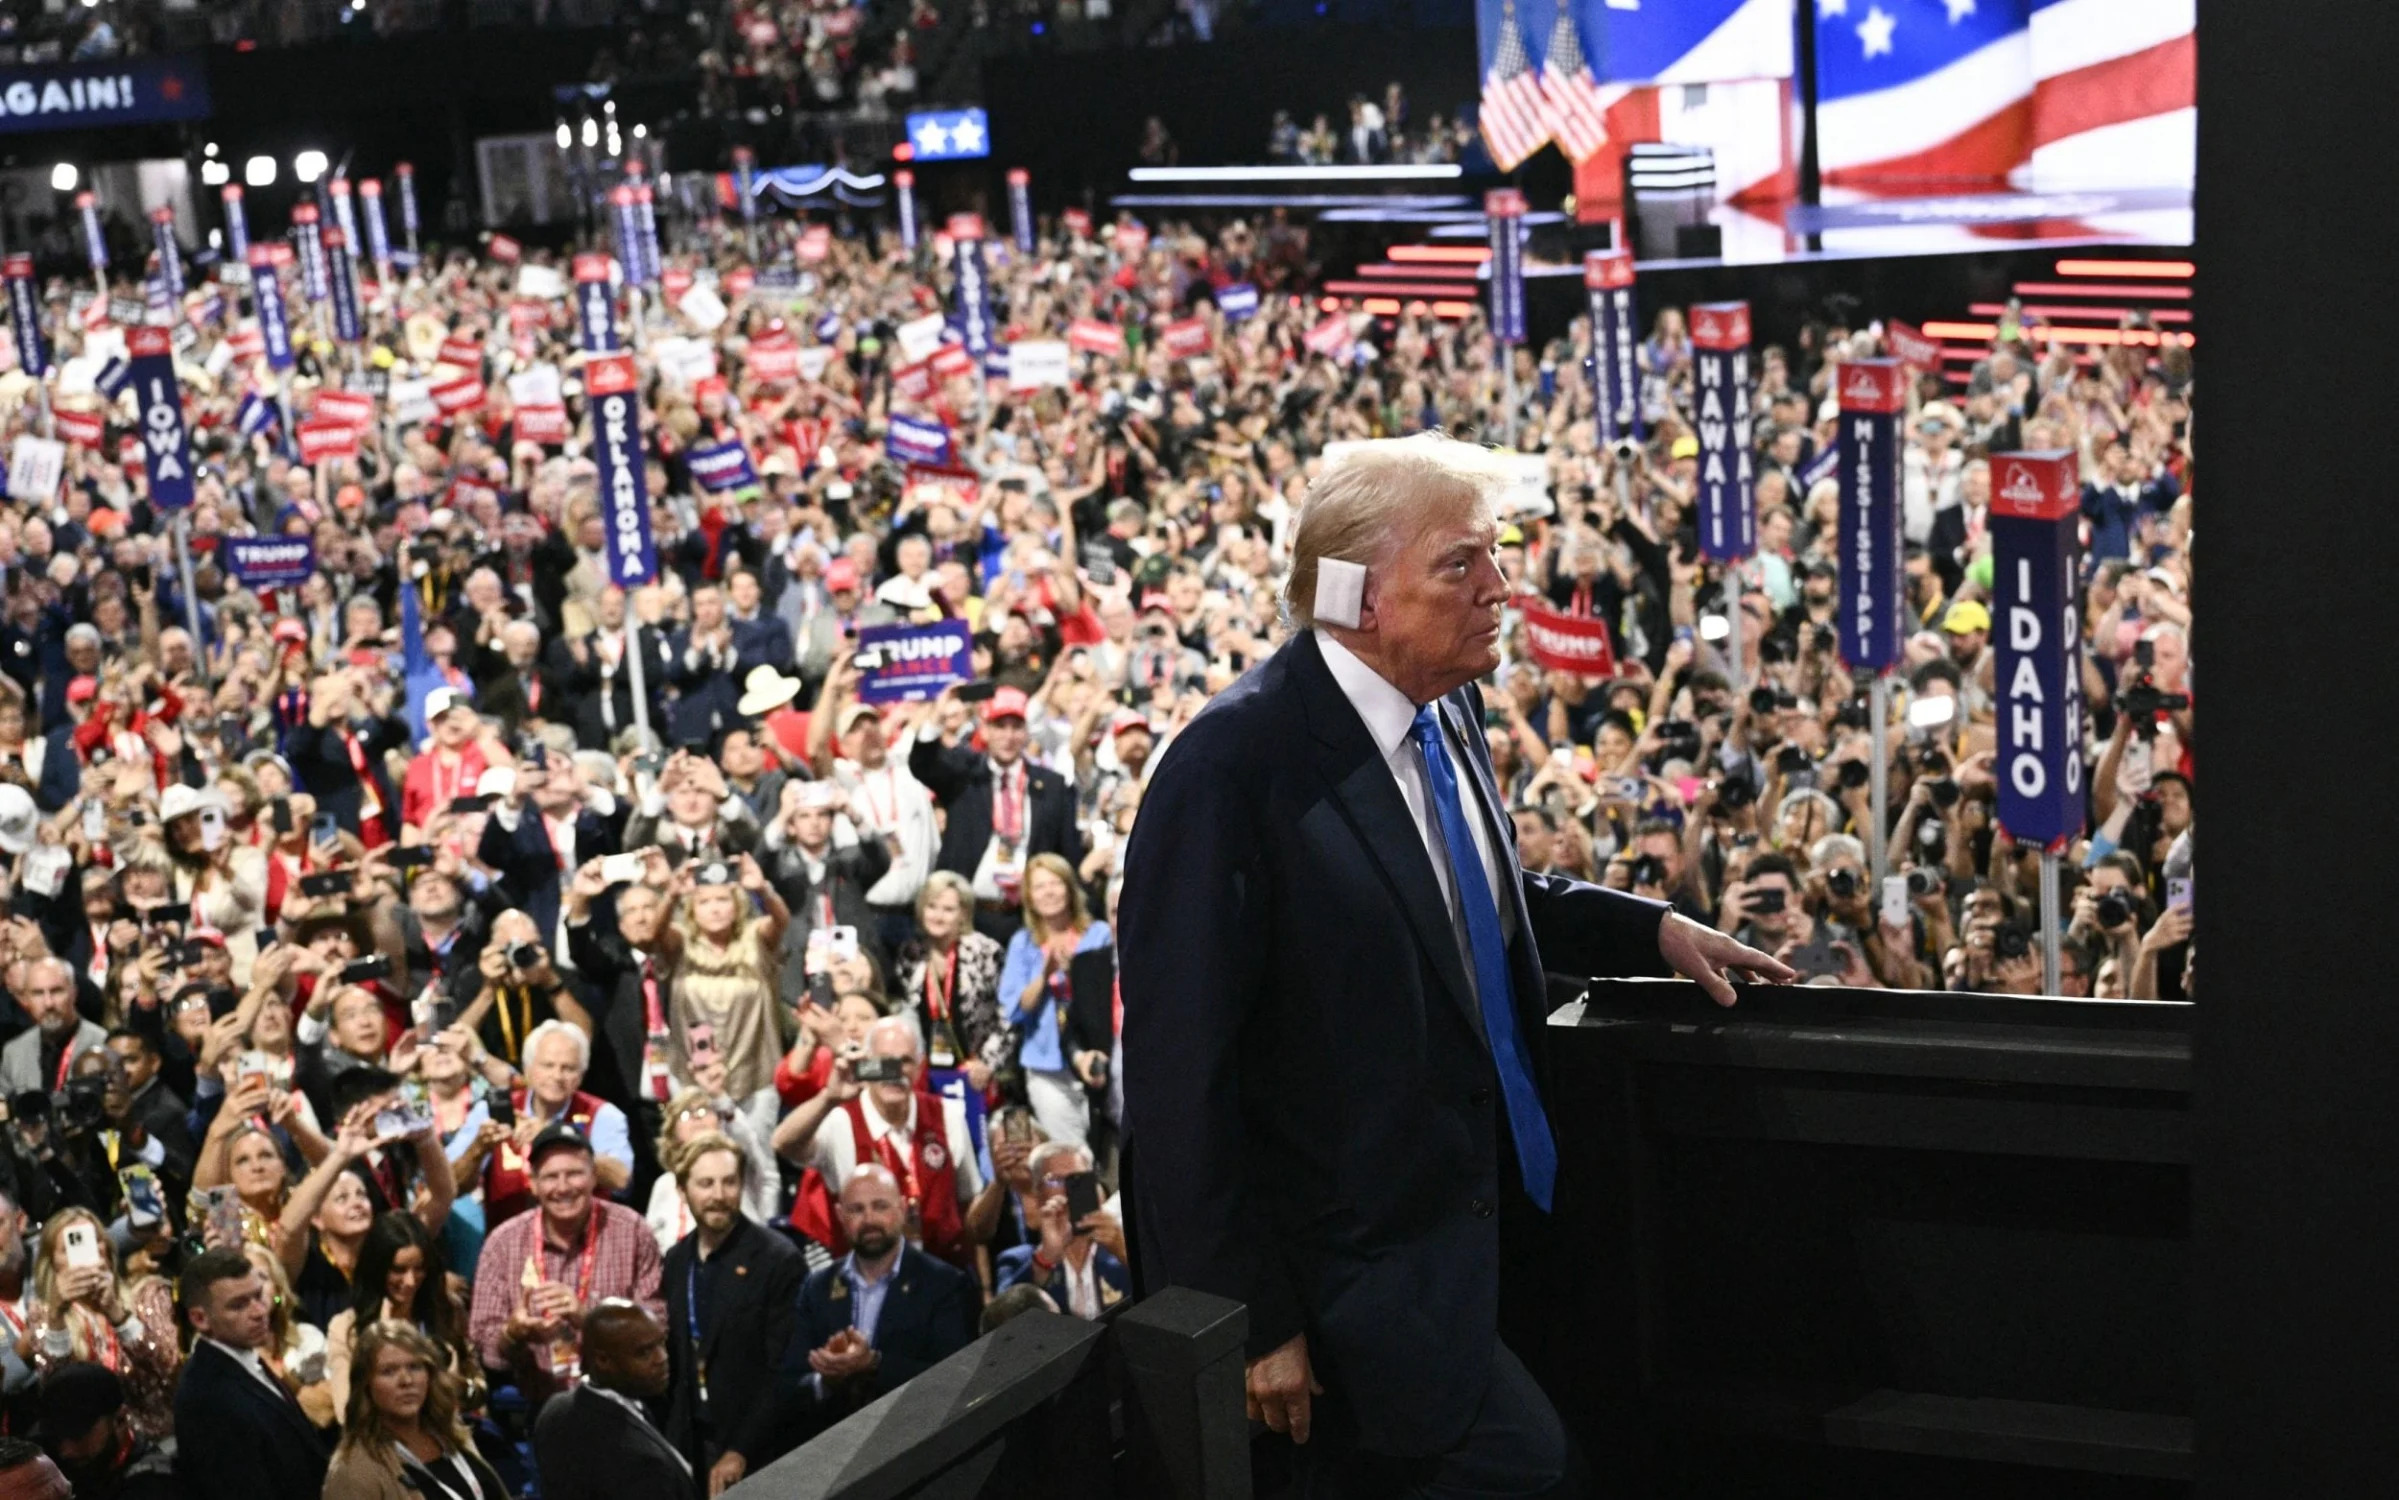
(931, 139)
(1959, 10)
(1827, 10)
(969, 135)
(1875, 31)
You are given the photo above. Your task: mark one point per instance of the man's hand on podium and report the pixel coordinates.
(1280, 1384)
(1702, 955)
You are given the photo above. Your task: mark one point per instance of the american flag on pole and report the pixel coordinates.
(1577, 110)
(1515, 115)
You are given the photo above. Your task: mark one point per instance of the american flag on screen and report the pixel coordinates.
(1577, 110)
(2035, 94)
(1515, 114)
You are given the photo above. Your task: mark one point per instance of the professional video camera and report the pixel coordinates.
(2141, 701)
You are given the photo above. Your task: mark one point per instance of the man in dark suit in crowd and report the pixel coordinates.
(597, 1442)
(731, 1288)
(598, 673)
(337, 752)
(239, 1431)
(1002, 809)
(524, 690)
(624, 948)
(1334, 1001)
(539, 830)
(882, 1315)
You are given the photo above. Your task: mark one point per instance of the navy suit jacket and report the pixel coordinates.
(530, 879)
(928, 1315)
(1312, 1117)
(237, 1440)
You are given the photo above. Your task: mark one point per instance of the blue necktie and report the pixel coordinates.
(1536, 1150)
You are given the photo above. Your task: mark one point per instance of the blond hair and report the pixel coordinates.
(1356, 509)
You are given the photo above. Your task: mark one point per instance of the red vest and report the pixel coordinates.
(928, 1176)
(508, 1177)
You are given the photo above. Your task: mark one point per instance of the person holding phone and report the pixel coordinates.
(1036, 984)
(731, 927)
(223, 880)
(1079, 1259)
(338, 753)
(82, 1309)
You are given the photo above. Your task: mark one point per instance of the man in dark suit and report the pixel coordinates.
(882, 1315)
(731, 1291)
(239, 1432)
(541, 829)
(599, 676)
(1002, 810)
(525, 689)
(597, 1442)
(1334, 1003)
(337, 752)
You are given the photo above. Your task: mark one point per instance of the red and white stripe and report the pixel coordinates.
(1515, 114)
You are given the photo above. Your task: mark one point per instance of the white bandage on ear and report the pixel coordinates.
(1340, 592)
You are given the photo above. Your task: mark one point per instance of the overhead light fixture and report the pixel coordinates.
(209, 150)
(566, 136)
(308, 166)
(259, 171)
(641, 132)
(215, 173)
(591, 131)
(62, 177)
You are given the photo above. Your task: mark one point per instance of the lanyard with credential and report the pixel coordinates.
(691, 1315)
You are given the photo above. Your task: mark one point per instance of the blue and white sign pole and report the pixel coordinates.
(167, 452)
(1873, 393)
(614, 386)
(903, 187)
(1504, 208)
(2037, 630)
(973, 308)
(745, 167)
(1728, 522)
(95, 243)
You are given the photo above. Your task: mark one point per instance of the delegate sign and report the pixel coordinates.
(914, 662)
(95, 95)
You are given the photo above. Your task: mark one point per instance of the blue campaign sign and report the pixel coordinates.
(166, 444)
(1872, 393)
(25, 314)
(237, 227)
(342, 276)
(595, 305)
(95, 95)
(615, 390)
(309, 251)
(1728, 523)
(915, 440)
(270, 562)
(2037, 631)
(725, 466)
(1237, 301)
(949, 134)
(973, 313)
(274, 323)
(910, 662)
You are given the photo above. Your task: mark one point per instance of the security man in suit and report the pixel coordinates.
(732, 1288)
(597, 1441)
(1002, 810)
(1334, 1003)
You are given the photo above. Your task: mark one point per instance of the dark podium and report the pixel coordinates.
(1868, 1243)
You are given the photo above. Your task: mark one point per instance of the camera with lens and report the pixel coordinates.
(78, 1107)
(1822, 639)
(1761, 700)
(2143, 702)
(1678, 739)
(2113, 908)
(1944, 792)
(1855, 714)
(2013, 943)
(1855, 774)
(1649, 870)
(1736, 792)
(1773, 651)
(1841, 884)
(1924, 882)
(525, 956)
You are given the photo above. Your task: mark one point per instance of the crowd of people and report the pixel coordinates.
(1373, 132)
(419, 1074)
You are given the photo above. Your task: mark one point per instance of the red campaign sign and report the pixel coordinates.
(675, 282)
(1873, 385)
(326, 441)
(1092, 336)
(279, 252)
(913, 382)
(465, 353)
(505, 249)
(962, 484)
(247, 342)
(1132, 239)
(541, 424)
(82, 428)
(591, 267)
(951, 359)
(1503, 203)
(739, 282)
(1606, 270)
(816, 242)
(455, 396)
(776, 359)
(1909, 346)
(1184, 339)
(964, 227)
(356, 408)
(1330, 336)
(1078, 223)
(1720, 325)
(524, 317)
(1569, 643)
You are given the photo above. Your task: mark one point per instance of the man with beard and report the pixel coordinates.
(39, 1059)
(100, 1456)
(730, 1290)
(880, 1316)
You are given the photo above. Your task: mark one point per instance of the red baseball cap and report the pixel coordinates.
(1007, 703)
(85, 688)
(841, 575)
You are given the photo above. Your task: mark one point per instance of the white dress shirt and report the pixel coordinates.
(1388, 715)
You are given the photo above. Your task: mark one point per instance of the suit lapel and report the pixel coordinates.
(1363, 784)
